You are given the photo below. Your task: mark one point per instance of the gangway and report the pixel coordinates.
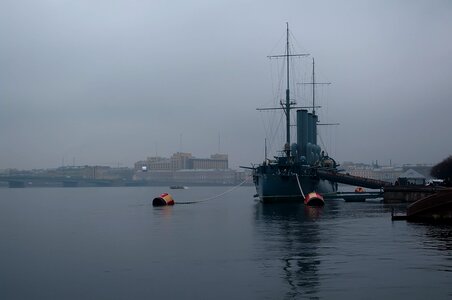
(352, 180)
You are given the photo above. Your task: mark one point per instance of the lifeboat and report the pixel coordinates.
(359, 190)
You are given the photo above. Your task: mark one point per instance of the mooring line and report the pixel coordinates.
(217, 196)
(299, 185)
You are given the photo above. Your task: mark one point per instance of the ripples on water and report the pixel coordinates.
(354, 250)
(110, 243)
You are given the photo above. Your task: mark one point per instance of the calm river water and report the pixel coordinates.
(110, 243)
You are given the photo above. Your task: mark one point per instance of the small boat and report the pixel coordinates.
(178, 187)
(359, 190)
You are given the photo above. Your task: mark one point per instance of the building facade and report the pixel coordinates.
(385, 173)
(183, 161)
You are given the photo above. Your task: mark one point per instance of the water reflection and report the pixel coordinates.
(162, 212)
(290, 237)
(438, 236)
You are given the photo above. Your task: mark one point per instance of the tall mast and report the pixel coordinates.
(313, 86)
(288, 105)
(287, 89)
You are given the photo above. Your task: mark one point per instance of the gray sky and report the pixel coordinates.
(114, 81)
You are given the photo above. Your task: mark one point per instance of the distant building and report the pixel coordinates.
(90, 172)
(216, 161)
(387, 173)
(183, 161)
(185, 169)
(423, 169)
(411, 177)
(384, 173)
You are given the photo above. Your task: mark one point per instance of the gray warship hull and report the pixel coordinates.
(290, 187)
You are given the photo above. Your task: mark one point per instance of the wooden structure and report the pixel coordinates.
(434, 208)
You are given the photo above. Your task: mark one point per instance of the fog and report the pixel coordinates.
(113, 82)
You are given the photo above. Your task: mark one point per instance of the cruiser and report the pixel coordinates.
(297, 171)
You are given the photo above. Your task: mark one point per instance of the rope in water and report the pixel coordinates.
(217, 196)
(299, 185)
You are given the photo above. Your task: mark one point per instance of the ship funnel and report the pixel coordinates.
(315, 119)
(307, 136)
(302, 131)
(310, 129)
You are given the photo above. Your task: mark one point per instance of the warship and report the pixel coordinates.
(297, 170)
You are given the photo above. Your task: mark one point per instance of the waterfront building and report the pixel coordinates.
(183, 161)
(411, 177)
(185, 169)
(374, 171)
(386, 173)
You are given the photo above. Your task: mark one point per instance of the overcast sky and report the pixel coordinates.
(110, 82)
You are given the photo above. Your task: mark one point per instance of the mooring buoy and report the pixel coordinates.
(314, 199)
(163, 200)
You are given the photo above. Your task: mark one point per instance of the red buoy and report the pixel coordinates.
(163, 200)
(314, 199)
(359, 190)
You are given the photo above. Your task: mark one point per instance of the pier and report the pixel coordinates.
(353, 196)
(436, 207)
(407, 194)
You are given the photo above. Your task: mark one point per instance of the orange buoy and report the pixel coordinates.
(163, 200)
(359, 190)
(314, 199)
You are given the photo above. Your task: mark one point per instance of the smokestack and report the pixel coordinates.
(302, 131)
(310, 129)
(314, 129)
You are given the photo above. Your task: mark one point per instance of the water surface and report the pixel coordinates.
(110, 243)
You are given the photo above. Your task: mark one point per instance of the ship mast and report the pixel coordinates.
(313, 86)
(314, 83)
(288, 104)
(287, 110)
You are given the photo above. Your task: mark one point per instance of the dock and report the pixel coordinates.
(408, 194)
(433, 208)
(353, 196)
